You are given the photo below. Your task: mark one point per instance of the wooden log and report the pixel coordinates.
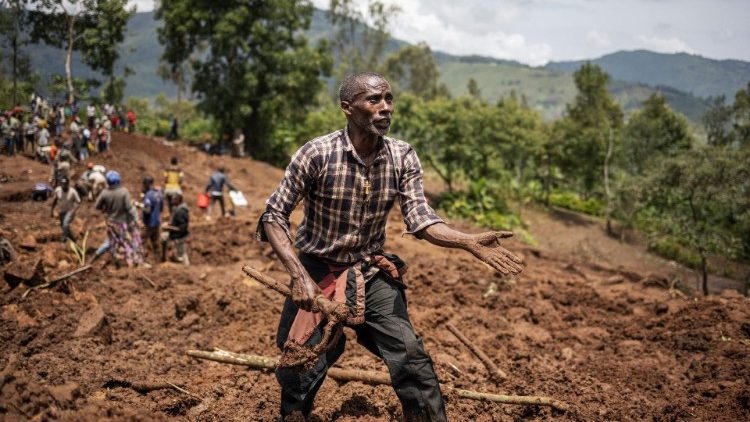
(505, 399)
(496, 373)
(369, 377)
(263, 363)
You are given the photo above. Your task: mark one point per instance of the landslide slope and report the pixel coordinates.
(612, 342)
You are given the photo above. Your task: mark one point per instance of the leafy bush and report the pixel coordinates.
(155, 118)
(484, 204)
(574, 202)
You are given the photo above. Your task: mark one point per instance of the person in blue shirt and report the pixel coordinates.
(215, 189)
(153, 203)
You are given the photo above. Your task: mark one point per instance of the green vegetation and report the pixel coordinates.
(257, 71)
(500, 135)
(93, 28)
(155, 118)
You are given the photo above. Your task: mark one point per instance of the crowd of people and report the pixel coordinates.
(43, 128)
(56, 135)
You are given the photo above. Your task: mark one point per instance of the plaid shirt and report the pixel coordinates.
(343, 222)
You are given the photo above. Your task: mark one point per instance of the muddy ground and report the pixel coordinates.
(610, 340)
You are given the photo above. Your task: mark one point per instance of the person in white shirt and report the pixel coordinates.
(91, 114)
(69, 201)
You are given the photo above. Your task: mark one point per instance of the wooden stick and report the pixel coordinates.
(368, 377)
(151, 282)
(56, 280)
(323, 304)
(182, 390)
(502, 398)
(144, 388)
(496, 373)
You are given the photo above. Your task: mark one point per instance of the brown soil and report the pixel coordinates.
(572, 326)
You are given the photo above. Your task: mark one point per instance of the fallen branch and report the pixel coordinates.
(149, 281)
(145, 388)
(522, 400)
(266, 363)
(56, 280)
(369, 377)
(496, 373)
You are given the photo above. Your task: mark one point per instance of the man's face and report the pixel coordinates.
(65, 184)
(372, 107)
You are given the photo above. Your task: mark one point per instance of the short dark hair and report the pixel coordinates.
(173, 160)
(353, 84)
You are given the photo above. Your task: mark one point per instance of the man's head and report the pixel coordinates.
(175, 199)
(148, 182)
(173, 161)
(113, 178)
(367, 101)
(64, 183)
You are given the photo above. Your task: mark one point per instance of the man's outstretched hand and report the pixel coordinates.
(486, 247)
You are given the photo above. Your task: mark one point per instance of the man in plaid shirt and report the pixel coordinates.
(349, 181)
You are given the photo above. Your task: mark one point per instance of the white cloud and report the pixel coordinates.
(598, 39)
(665, 44)
(143, 5)
(534, 31)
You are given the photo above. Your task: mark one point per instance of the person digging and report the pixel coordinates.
(176, 230)
(349, 181)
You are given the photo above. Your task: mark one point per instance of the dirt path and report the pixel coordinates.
(568, 327)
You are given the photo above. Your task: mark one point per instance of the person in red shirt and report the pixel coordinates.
(131, 121)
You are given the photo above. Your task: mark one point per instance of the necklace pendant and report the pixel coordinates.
(367, 187)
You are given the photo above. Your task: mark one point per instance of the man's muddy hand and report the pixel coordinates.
(304, 292)
(486, 247)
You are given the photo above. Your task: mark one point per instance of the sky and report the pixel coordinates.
(535, 32)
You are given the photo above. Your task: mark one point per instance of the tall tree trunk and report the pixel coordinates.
(178, 77)
(704, 270)
(69, 56)
(607, 190)
(15, 64)
(548, 179)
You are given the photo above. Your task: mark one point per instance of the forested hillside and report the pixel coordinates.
(546, 89)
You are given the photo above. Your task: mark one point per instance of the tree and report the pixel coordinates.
(93, 27)
(13, 20)
(413, 69)
(473, 88)
(652, 133)
(101, 43)
(360, 40)
(61, 23)
(741, 117)
(590, 121)
(718, 122)
(257, 71)
(699, 199)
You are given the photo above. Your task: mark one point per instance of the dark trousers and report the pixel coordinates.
(387, 333)
(220, 200)
(66, 217)
(9, 141)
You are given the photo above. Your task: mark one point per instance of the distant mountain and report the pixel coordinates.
(635, 74)
(690, 73)
(548, 90)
